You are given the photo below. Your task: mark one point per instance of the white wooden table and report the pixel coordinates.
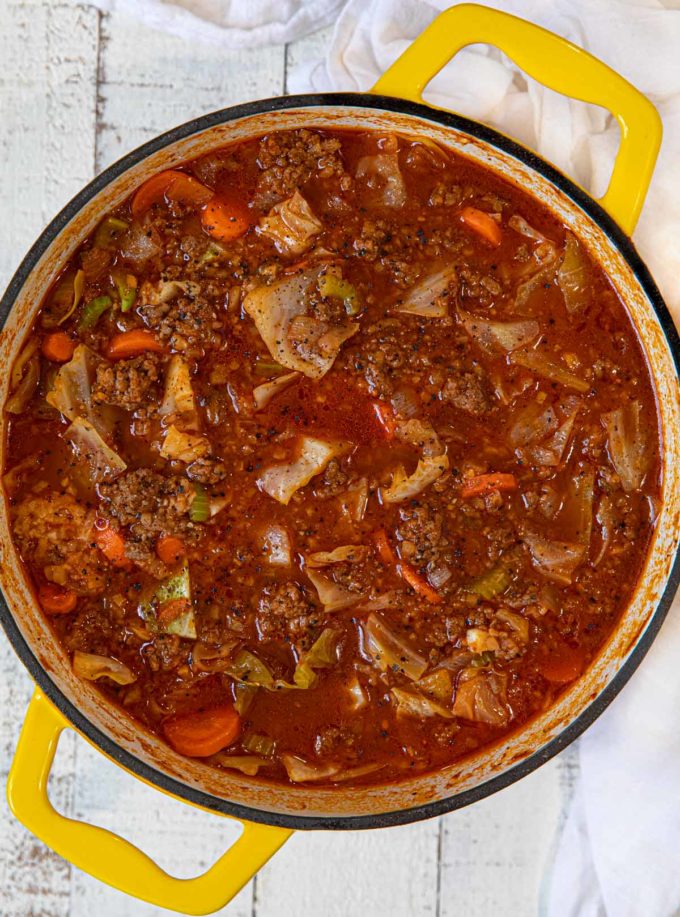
(77, 90)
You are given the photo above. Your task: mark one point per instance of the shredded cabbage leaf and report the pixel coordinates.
(573, 275)
(263, 394)
(628, 444)
(499, 336)
(282, 481)
(557, 560)
(308, 348)
(176, 589)
(24, 378)
(276, 545)
(390, 651)
(332, 595)
(543, 366)
(92, 667)
(71, 392)
(480, 696)
(322, 654)
(382, 175)
(348, 553)
(105, 464)
(178, 397)
(291, 225)
(301, 771)
(429, 298)
(184, 447)
(403, 487)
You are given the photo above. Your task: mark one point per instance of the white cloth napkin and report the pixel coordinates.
(618, 855)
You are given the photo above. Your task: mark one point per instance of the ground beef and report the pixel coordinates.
(420, 533)
(54, 531)
(187, 322)
(285, 612)
(165, 652)
(484, 288)
(207, 470)
(129, 384)
(468, 392)
(333, 739)
(335, 479)
(90, 631)
(288, 159)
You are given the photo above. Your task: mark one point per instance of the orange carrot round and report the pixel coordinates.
(483, 224)
(111, 543)
(58, 347)
(171, 610)
(225, 220)
(204, 733)
(131, 343)
(483, 484)
(563, 666)
(173, 185)
(56, 600)
(170, 549)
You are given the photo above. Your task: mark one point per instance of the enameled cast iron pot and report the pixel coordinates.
(270, 813)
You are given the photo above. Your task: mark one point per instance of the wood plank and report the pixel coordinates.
(47, 150)
(150, 81)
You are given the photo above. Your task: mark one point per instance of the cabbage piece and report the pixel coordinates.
(171, 289)
(322, 654)
(557, 560)
(206, 657)
(273, 309)
(551, 451)
(391, 651)
(534, 422)
(178, 396)
(543, 366)
(332, 595)
(71, 392)
(24, 378)
(314, 339)
(480, 696)
(264, 393)
(404, 487)
(259, 744)
(420, 433)
(354, 501)
(282, 481)
(291, 225)
(92, 667)
(141, 244)
(105, 464)
(607, 518)
(348, 553)
(247, 668)
(520, 225)
(184, 447)
(429, 297)
(576, 516)
(517, 624)
(479, 640)
(545, 258)
(359, 698)
(244, 695)
(499, 337)
(351, 773)
(276, 545)
(247, 764)
(177, 590)
(627, 444)
(420, 706)
(573, 275)
(300, 771)
(382, 175)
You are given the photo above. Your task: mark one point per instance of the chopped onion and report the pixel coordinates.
(178, 396)
(300, 771)
(437, 576)
(348, 553)
(276, 545)
(405, 402)
(479, 640)
(557, 560)
(171, 289)
(291, 225)
(404, 487)
(518, 624)
(520, 225)
(359, 699)
(429, 297)
(140, 244)
(421, 433)
(104, 463)
(92, 667)
(264, 393)
(480, 696)
(543, 366)
(573, 275)
(391, 651)
(382, 175)
(499, 336)
(332, 595)
(628, 444)
(354, 501)
(282, 481)
(273, 309)
(184, 447)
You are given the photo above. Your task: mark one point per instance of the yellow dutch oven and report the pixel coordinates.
(269, 813)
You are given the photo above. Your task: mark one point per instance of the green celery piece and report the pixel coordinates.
(93, 311)
(126, 293)
(108, 231)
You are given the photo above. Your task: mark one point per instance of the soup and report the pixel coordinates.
(332, 457)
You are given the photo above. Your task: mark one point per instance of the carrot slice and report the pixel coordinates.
(171, 610)
(173, 185)
(56, 600)
(111, 543)
(404, 569)
(131, 343)
(418, 583)
(170, 549)
(483, 484)
(563, 666)
(483, 224)
(204, 733)
(225, 220)
(58, 347)
(386, 418)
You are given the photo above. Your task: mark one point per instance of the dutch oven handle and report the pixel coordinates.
(108, 857)
(556, 63)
